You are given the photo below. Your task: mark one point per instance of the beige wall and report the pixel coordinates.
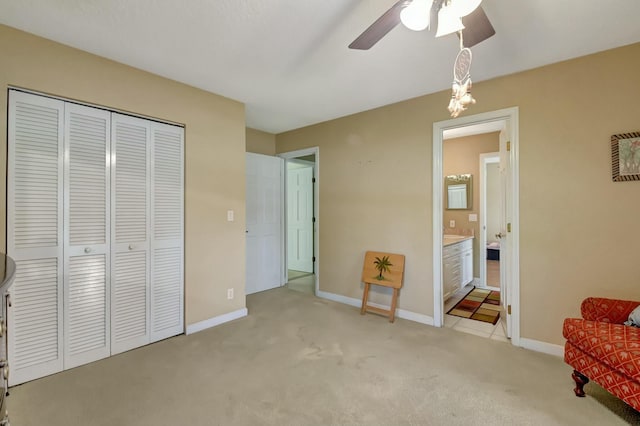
(576, 225)
(260, 142)
(462, 156)
(214, 152)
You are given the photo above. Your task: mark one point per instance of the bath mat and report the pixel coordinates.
(479, 304)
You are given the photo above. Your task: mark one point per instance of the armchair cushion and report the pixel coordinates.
(607, 310)
(616, 345)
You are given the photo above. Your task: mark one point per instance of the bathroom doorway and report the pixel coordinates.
(506, 120)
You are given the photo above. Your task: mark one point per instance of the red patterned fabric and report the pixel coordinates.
(616, 345)
(603, 349)
(610, 379)
(607, 310)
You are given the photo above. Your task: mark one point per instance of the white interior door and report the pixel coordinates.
(300, 218)
(34, 235)
(263, 222)
(86, 235)
(167, 285)
(505, 213)
(130, 201)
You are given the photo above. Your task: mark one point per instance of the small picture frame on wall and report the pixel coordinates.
(625, 157)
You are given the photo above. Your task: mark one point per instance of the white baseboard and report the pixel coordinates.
(212, 322)
(400, 313)
(544, 347)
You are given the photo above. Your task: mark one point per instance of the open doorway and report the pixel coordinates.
(491, 205)
(301, 219)
(507, 122)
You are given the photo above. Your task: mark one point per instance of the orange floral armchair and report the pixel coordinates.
(601, 348)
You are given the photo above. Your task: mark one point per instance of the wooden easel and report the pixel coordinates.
(392, 279)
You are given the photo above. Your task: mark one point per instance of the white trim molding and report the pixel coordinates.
(544, 347)
(400, 313)
(212, 322)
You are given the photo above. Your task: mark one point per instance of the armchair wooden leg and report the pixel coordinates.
(580, 380)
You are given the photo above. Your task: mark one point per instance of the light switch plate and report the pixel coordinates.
(230, 215)
(473, 217)
(452, 224)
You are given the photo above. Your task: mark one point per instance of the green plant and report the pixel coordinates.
(382, 265)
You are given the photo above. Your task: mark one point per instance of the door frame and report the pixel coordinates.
(288, 156)
(485, 159)
(513, 280)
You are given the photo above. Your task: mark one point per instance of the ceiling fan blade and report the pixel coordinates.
(477, 28)
(380, 27)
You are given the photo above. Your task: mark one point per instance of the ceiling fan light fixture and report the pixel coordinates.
(465, 7)
(448, 21)
(416, 15)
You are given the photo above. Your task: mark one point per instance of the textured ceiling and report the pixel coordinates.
(288, 60)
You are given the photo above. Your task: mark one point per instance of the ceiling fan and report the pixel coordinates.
(464, 17)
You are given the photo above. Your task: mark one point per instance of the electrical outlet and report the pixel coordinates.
(452, 224)
(230, 216)
(230, 293)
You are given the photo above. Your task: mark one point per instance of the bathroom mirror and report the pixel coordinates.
(458, 190)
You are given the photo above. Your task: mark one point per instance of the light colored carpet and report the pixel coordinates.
(300, 360)
(305, 283)
(293, 275)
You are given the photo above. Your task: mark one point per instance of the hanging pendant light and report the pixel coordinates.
(465, 7)
(448, 21)
(416, 15)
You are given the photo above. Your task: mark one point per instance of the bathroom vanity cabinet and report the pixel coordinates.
(457, 264)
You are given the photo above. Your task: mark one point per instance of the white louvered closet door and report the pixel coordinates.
(34, 235)
(167, 295)
(130, 226)
(86, 234)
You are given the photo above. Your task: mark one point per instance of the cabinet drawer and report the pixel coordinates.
(465, 245)
(451, 251)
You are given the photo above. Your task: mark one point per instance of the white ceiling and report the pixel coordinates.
(288, 60)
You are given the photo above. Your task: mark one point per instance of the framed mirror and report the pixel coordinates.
(459, 192)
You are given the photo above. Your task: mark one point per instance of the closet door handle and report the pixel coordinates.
(87, 249)
(130, 246)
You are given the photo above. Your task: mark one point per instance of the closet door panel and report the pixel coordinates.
(130, 226)
(34, 235)
(167, 284)
(86, 227)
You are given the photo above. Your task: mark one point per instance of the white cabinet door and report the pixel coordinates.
(86, 235)
(467, 267)
(167, 201)
(263, 222)
(130, 201)
(300, 219)
(34, 235)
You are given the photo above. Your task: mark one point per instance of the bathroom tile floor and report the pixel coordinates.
(483, 329)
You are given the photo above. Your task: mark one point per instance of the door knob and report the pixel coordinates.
(499, 235)
(87, 249)
(130, 246)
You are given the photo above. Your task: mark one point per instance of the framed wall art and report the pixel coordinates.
(625, 157)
